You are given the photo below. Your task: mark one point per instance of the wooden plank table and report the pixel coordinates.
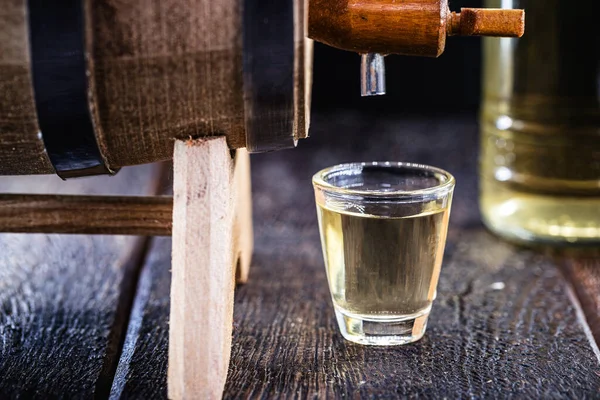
(65, 299)
(507, 321)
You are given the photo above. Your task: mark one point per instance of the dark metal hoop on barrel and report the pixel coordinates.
(111, 84)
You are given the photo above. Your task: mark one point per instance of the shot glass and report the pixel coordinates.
(383, 230)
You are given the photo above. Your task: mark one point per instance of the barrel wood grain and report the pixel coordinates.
(21, 146)
(503, 323)
(65, 299)
(303, 70)
(160, 71)
(165, 70)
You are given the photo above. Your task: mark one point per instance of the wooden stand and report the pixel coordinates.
(211, 232)
(212, 247)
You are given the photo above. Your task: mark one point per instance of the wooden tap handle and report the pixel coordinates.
(408, 27)
(487, 22)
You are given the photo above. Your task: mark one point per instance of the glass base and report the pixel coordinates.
(382, 331)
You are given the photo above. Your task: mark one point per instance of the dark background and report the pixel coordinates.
(450, 83)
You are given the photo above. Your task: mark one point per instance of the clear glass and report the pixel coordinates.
(383, 230)
(540, 126)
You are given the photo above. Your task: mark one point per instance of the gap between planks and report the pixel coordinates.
(581, 269)
(128, 292)
(76, 291)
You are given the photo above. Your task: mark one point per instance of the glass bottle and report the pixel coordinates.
(540, 125)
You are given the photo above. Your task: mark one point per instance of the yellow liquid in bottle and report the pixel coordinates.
(560, 204)
(540, 127)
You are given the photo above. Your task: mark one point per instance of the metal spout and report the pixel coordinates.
(372, 74)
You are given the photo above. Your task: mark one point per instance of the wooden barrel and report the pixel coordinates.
(89, 86)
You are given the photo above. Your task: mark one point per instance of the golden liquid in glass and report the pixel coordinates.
(383, 267)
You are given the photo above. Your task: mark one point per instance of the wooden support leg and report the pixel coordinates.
(243, 217)
(208, 237)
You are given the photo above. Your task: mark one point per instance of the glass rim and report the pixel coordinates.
(319, 181)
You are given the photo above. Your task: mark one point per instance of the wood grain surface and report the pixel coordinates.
(504, 323)
(142, 369)
(165, 70)
(583, 273)
(243, 234)
(413, 27)
(116, 215)
(21, 146)
(408, 27)
(159, 71)
(65, 299)
(487, 22)
(203, 268)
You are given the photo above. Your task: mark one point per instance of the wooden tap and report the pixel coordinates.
(487, 22)
(408, 27)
